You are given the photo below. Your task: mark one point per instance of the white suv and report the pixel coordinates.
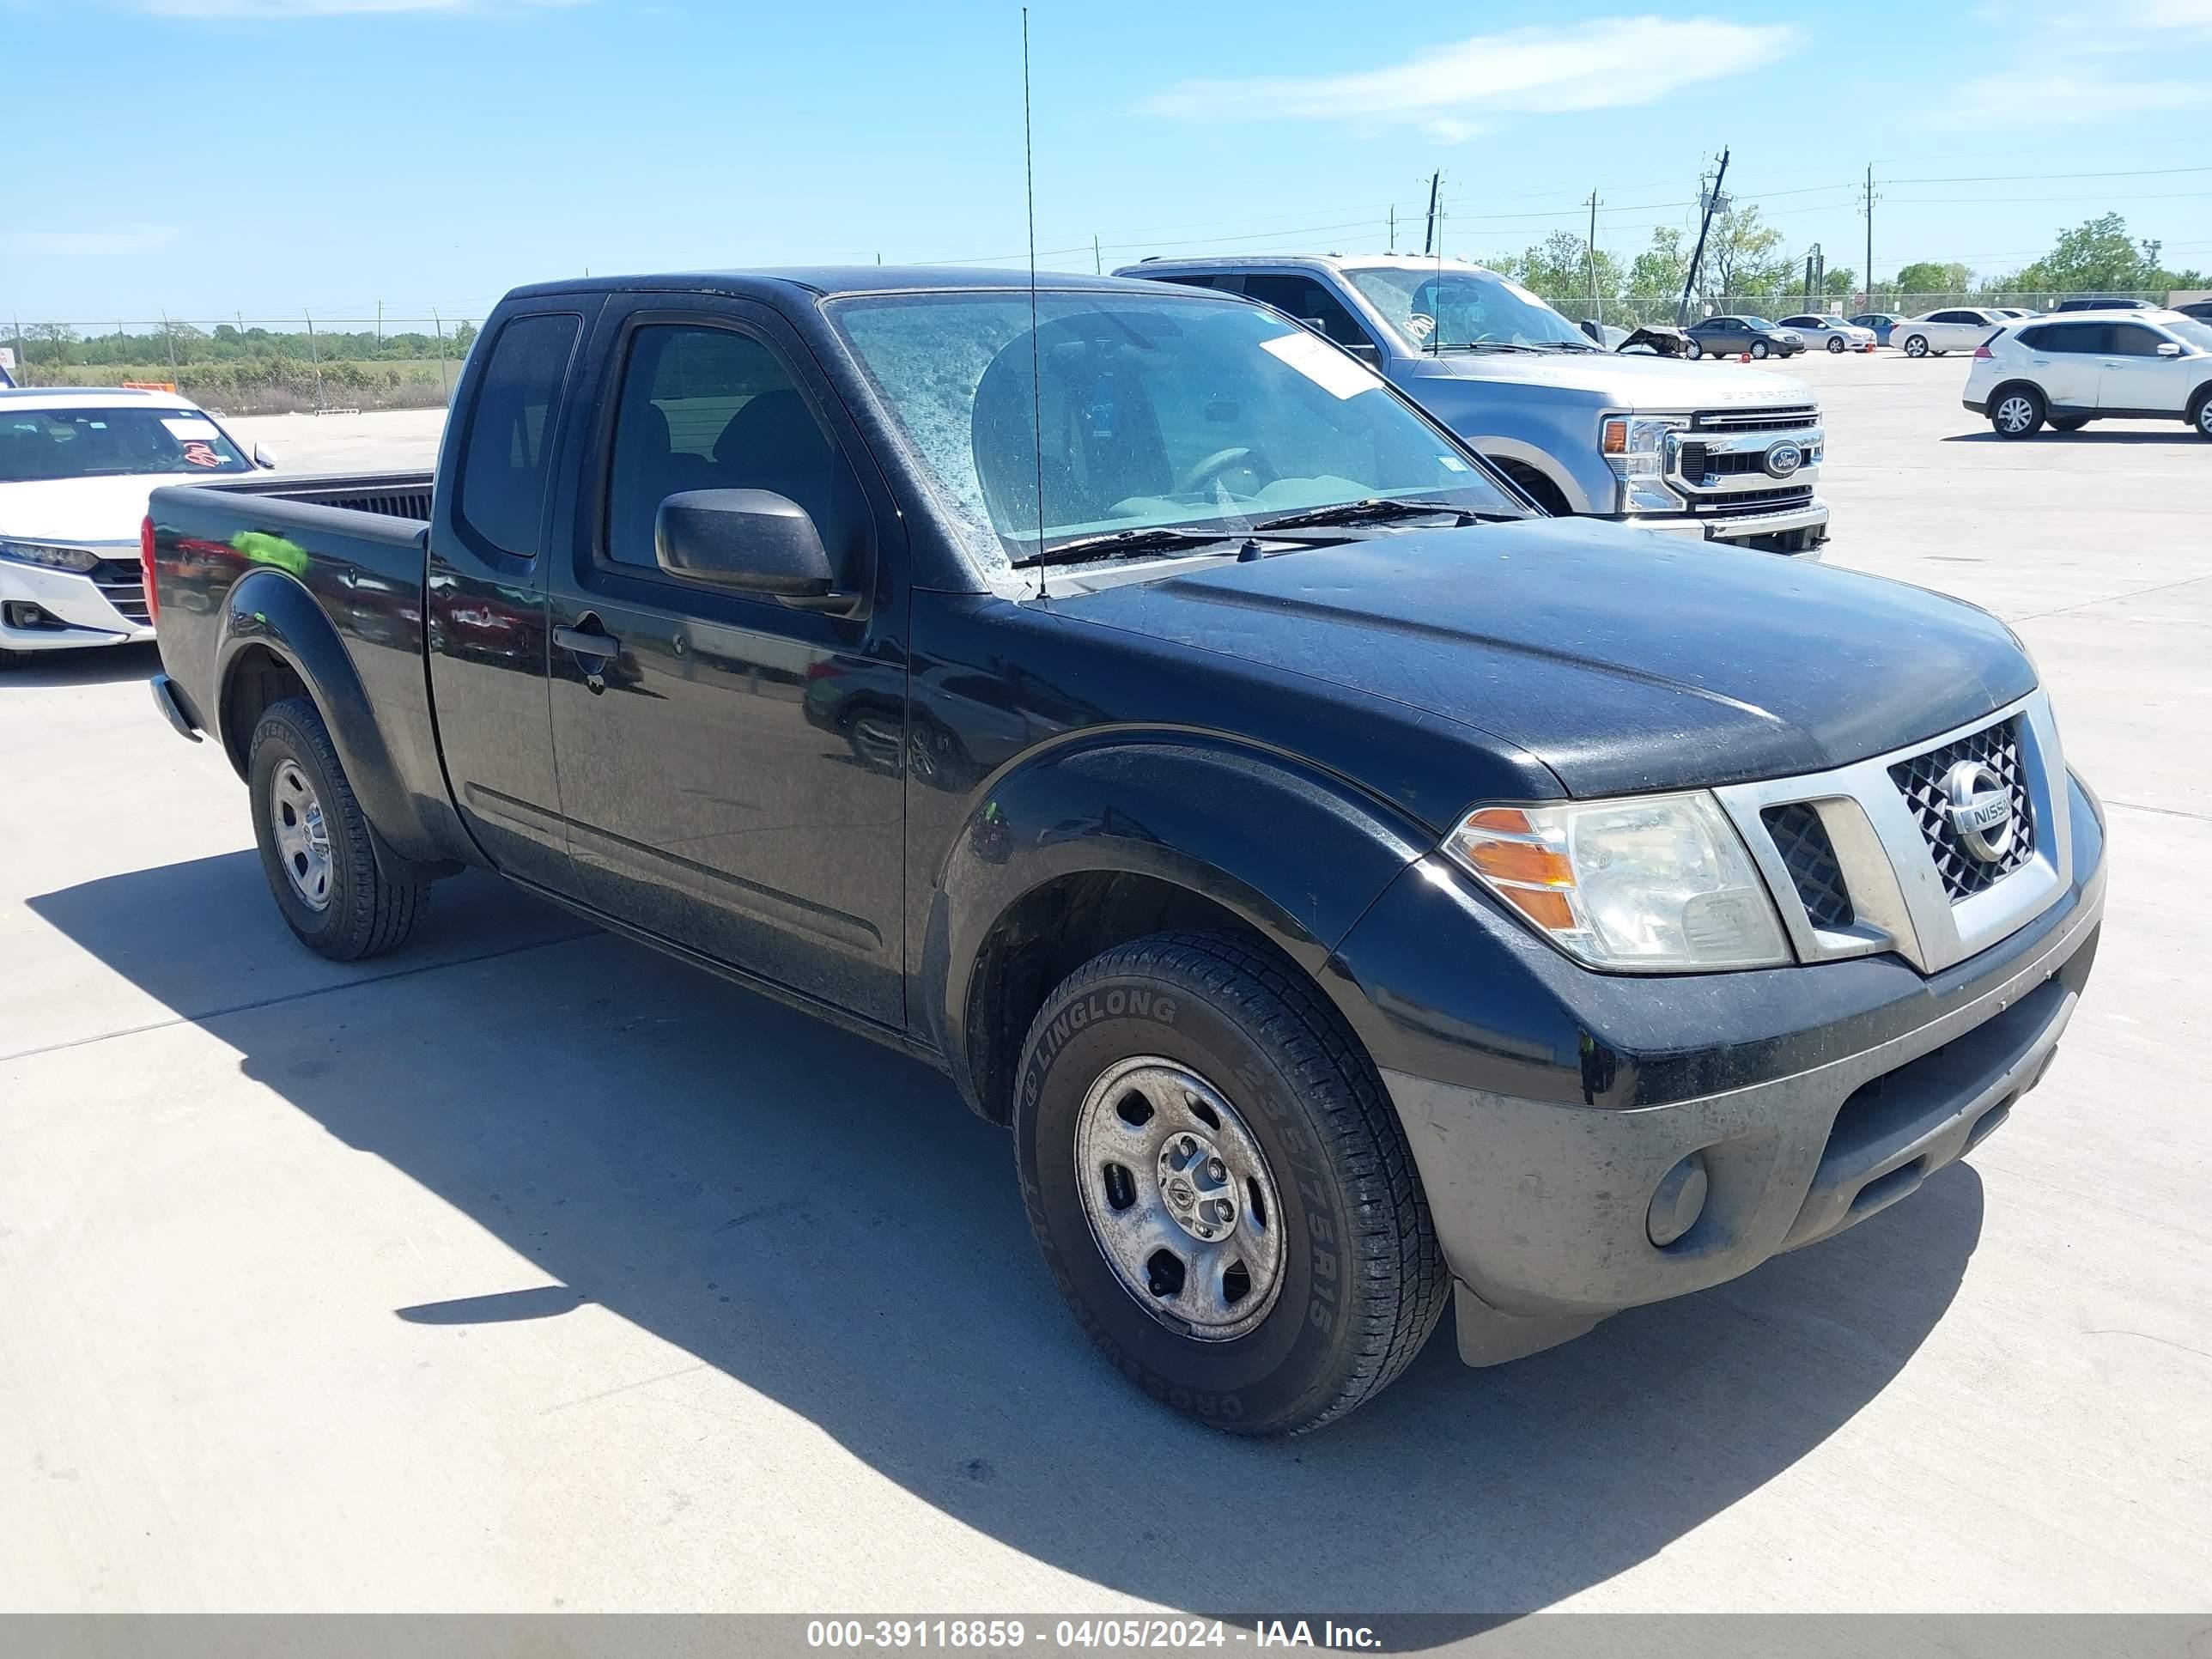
(2094, 365)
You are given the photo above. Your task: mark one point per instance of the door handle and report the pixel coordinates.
(587, 643)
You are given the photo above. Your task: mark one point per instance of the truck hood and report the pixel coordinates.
(1625, 662)
(78, 510)
(1656, 383)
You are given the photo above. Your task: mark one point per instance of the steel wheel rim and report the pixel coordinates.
(2014, 414)
(303, 838)
(1180, 1199)
(1758, 348)
(2204, 415)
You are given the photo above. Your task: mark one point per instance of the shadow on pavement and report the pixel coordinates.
(2171, 432)
(106, 665)
(821, 1220)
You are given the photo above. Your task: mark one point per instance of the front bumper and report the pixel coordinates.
(1545, 1210)
(1811, 514)
(47, 610)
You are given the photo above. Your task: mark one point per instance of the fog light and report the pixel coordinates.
(1679, 1202)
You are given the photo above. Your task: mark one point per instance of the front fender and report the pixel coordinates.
(1295, 853)
(270, 608)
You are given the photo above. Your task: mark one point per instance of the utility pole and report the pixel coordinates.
(379, 325)
(1098, 263)
(1597, 305)
(1867, 275)
(1394, 227)
(1713, 203)
(314, 358)
(439, 323)
(1429, 245)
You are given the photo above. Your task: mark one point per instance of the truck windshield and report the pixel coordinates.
(42, 444)
(1154, 409)
(1462, 309)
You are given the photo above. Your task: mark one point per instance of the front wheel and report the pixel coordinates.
(1221, 1188)
(2069, 423)
(2201, 417)
(1758, 348)
(1835, 344)
(1695, 350)
(1916, 345)
(316, 846)
(2018, 414)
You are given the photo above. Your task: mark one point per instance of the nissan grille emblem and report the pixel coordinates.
(1783, 459)
(1980, 810)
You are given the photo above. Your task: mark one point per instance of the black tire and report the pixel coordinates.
(1835, 344)
(1916, 345)
(1758, 348)
(1695, 350)
(2069, 423)
(2017, 411)
(1362, 1283)
(364, 914)
(2200, 413)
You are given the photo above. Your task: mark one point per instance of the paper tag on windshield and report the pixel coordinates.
(191, 426)
(1324, 364)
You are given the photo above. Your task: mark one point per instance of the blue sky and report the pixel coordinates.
(205, 157)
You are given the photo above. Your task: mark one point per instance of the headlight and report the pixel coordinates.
(54, 558)
(1654, 883)
(1635, 447)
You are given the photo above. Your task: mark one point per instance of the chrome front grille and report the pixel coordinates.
(1920, 780)
(1810, 857)
(1755, 420)
(122, 583)
(1866, 858)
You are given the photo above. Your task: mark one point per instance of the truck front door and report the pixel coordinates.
(732, 768)
(486, 592)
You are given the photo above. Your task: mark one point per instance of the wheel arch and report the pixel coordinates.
(1081, 850)
(274, 642)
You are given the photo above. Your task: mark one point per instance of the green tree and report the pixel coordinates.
(1928, 276)
(1657, 272)
(1560, 269)
(2097, 253)
(1744, 256)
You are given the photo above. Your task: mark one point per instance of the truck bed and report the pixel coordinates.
(388, 494)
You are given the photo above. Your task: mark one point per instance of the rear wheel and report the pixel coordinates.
(2017, 412)
(2069, 423)
(1220, 1187)
(1916, 345)
(316, 846)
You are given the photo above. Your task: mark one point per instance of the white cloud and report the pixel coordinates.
(1452, 91)
(2058, 98)
(88, 244)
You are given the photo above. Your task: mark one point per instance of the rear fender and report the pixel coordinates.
(1295, 854)
(270, 609)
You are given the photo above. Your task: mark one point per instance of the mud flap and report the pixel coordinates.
(1487, 1337)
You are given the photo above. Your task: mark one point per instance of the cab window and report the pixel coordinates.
(1310, 302)
(507, 464)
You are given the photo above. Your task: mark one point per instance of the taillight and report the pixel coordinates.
(1982, 353)
(146, 567)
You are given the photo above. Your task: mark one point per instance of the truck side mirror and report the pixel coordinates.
(746, 541)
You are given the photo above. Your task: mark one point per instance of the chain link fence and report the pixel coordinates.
(246, 365)
(1631, 311)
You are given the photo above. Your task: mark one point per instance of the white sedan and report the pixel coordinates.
(76, 465)
(1833, 333)
(1958, 328)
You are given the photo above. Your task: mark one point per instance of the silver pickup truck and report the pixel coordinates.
(1703, 449)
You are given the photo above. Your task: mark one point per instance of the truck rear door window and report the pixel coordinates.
(1310, 302)
(507, 468)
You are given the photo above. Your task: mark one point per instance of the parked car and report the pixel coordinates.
(1633, 435)
(1958, 328)
(1733, 336)
(1380, 895)
(1879, 321)
(1831, 333)
(1608, 335)
(75, 469)
(2014, 311)
(2200, 309)
(2118, 365)
(2086, 302)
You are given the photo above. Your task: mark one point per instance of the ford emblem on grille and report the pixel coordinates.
(1783, 458)
(1981, 809)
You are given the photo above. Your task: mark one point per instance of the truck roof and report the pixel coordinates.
(824, 281)
(1279, 261)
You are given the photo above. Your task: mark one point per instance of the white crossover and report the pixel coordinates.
(76, 467)
(2084, 366)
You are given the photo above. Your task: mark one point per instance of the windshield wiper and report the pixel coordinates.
(1479, 345)
(1114, 544)
(1376, 508)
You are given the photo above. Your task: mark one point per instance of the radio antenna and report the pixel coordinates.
(1036, 370)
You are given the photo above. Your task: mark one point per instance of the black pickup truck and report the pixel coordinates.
(1355, 890)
